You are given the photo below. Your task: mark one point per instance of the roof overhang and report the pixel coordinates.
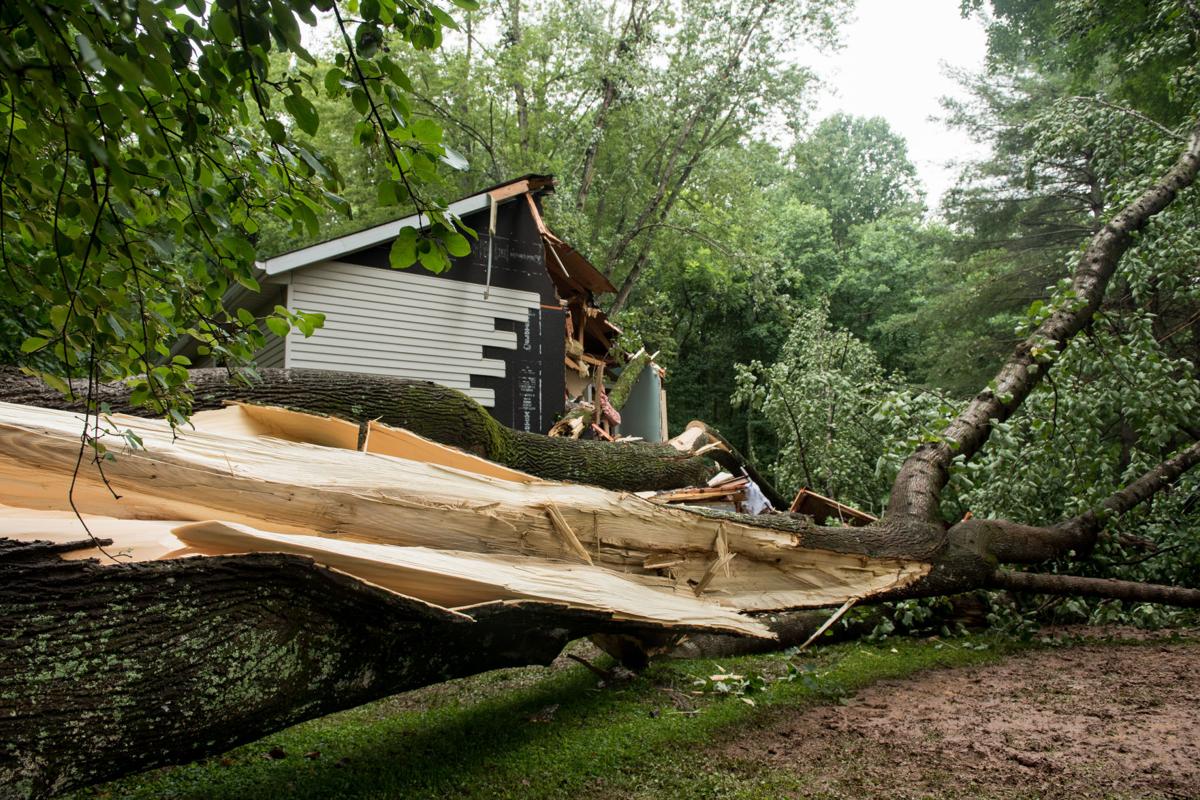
(332, 249)
(570, 271)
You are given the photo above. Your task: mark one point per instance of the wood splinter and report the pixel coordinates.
(719, 563)
(829, 623)
(564, 530)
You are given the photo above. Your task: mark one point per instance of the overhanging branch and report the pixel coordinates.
(916, 492)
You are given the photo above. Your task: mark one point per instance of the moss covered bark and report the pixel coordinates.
(109, 670)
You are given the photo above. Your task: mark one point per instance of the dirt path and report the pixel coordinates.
(1088, 721)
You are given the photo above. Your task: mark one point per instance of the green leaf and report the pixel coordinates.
(434, 260)
(333, 82)
(276, 131)
(303, 112)
(33, 343)
(114, 325)
(88, 53)
(391, 193)
(308, 218)
(454, 159)
(248, 282)
(279, 327)
(286, 24)
(404, 249)
(457, 245)
(58, 316)
(54, 382)
(426, 130)
(442, 17)
(221, 25)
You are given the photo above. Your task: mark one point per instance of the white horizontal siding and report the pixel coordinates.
(431, 284)
(384, 322)
(271, 355)
(407, 311)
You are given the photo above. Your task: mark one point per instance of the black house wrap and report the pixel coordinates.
(530, 395)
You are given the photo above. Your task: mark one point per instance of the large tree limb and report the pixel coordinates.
(1012, 543)
(917, 490)
(433, 411)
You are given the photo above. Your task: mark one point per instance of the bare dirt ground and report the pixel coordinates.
(1084, 721)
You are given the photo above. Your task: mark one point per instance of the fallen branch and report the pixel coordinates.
(1075, 586)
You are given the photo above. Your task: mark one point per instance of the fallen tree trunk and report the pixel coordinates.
(734, 560)
(106, 671)
(433, 411)
(98, 644)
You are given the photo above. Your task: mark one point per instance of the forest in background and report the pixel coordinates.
(803, 297)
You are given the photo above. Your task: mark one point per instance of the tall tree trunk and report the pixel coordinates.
(519, 95)
(631, 36)
(670, 178)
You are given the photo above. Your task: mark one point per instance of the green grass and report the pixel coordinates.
(474, 737)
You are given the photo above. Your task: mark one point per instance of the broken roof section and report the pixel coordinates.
(573, 275)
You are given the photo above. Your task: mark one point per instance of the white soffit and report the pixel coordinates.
(353, 242)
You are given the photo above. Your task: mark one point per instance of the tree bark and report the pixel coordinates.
(1075, 586)
(433, 411)
(109, 670)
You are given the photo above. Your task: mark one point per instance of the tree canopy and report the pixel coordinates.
(145, 145)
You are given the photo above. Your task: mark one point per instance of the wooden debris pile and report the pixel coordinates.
(736, 493)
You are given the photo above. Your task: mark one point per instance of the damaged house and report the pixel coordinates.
(514, 325)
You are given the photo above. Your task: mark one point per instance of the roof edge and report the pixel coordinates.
(378, 234)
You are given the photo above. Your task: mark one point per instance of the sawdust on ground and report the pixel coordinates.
(1086, 721)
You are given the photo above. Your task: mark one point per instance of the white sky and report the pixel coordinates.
(892, 65)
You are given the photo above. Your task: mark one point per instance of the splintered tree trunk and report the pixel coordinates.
(337, 495)
(106, 671)
(428, 409)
